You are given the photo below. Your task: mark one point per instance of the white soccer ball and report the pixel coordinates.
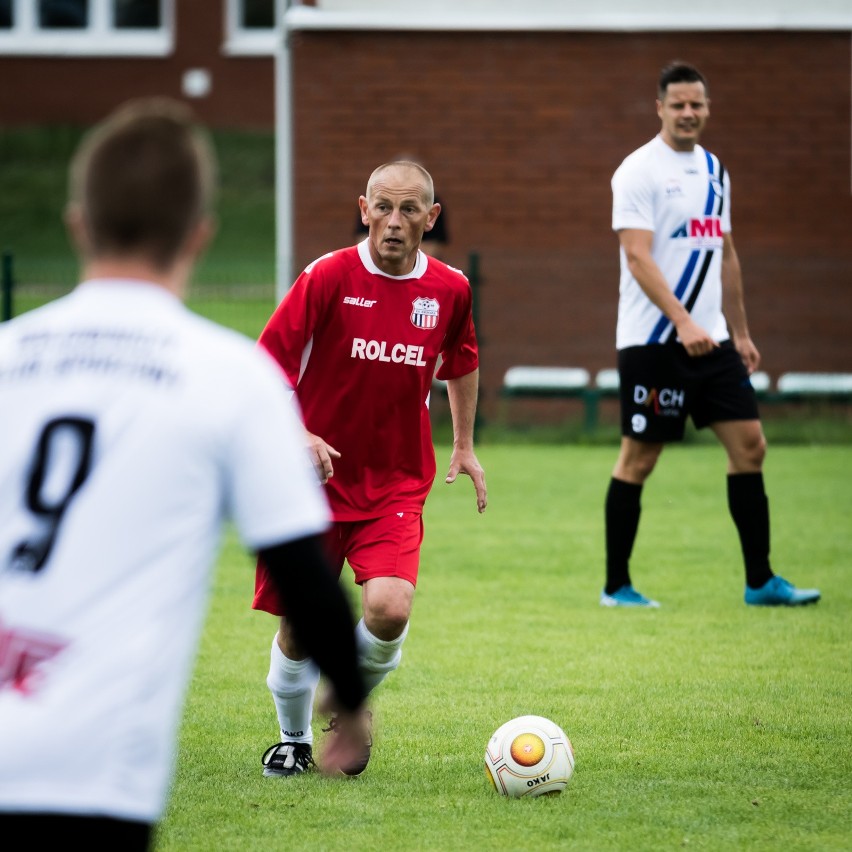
(529, 756)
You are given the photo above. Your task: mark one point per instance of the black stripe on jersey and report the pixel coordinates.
(722, 184)
(689, 304)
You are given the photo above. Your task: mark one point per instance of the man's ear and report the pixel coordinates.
(434, 212)
(75, 226)
(201, 236)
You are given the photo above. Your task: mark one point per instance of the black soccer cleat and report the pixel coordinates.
(285, 759)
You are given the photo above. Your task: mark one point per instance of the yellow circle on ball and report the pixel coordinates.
(527, 749)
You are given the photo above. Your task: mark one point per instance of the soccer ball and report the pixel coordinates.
(529, 756)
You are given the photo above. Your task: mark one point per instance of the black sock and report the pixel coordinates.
(750, 511)
(622, 522)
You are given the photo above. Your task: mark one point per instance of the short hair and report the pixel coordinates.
(144, 178)
(678, 72)
(429, 194)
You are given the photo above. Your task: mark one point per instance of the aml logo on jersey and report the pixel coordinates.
(667, 401)
(424, 312)
(706, 231)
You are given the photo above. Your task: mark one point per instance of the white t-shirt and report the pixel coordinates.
(130, 430)
(685, 199)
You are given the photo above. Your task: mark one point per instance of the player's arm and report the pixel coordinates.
(733, 304)
(463, 394)
(319, 613)
(637, 244)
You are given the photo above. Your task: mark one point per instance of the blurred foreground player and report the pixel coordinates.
(131, 429)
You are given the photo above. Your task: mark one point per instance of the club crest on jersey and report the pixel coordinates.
(424, 312)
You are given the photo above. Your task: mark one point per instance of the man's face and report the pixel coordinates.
(683, 113)
(397, 214)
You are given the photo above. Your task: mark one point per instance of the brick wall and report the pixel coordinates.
(522, 132)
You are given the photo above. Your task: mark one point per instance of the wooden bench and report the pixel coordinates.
(555, 383)
(815, 388)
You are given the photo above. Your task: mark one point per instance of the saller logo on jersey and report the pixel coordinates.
(360, 301)
(393, 353)
(424, 312)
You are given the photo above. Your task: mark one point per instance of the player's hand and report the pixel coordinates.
(695, 339)
(465, 461)
(748, 352)
(321, 455)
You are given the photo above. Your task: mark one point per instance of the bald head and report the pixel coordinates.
(408, 170)
(398, 209)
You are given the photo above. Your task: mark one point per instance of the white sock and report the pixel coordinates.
(377, 658)
(293, 684)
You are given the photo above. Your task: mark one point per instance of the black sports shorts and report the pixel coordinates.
(660, 385)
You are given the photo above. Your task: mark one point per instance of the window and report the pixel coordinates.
(250, 26)
(87, 27)
(257, 14)
(137, 14)
(63, 14)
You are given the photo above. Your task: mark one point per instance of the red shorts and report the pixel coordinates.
(380, 547)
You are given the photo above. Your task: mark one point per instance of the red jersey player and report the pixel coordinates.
(359, 336)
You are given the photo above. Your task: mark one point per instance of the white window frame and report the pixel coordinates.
(240, 41)
(100, 38)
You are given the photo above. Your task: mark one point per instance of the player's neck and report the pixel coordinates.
(136, 269)
(682, 146)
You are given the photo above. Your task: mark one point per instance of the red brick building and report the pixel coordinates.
(522, 129)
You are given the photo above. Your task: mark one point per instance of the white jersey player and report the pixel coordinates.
(683, 344)
(131, 431)
(683, 198)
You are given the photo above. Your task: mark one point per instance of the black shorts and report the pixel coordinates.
(660, 385)
(68, 831)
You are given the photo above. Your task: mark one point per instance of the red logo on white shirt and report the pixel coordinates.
(21, 653)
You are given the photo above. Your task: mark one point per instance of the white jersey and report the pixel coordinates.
(130, 429)
(685, 199)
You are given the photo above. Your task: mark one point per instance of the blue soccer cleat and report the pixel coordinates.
(626, 596)
(776, 591)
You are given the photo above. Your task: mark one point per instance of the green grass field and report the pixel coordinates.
(703, 725)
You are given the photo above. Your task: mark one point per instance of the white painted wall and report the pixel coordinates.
(576, 14)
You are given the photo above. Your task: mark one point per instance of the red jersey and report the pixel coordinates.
(360, 347)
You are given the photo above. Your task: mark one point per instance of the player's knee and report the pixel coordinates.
(387, 618)
(638, 466)
(387, 626)
(754, 451)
